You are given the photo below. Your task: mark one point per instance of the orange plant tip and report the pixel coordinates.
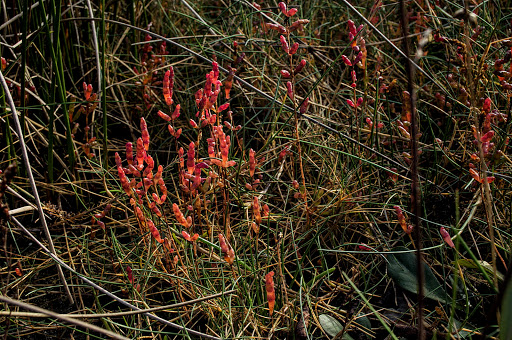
(271, 295)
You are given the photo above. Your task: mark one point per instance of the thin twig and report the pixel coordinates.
(415, 187)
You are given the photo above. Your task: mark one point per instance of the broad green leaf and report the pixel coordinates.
(506, 314)
(402, 269)
(331, 326)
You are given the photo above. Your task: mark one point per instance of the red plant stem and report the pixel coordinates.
(415, 187)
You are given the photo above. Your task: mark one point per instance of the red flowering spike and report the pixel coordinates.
(87, 91)
(293, 49)
(186, 222)
(282, 7)
(176, 112)
(271, 294)
(487, 137)
(299, 66)
(276, 27)
(229, 254)
(296, 24)
(129, 153)
(289, 88)
(256, 210)
(284, 44)
(252, 162)
(163, 116)
(304, 107)
(266, 210)
(145, 133)
(363, 247)
(154, 208)
(346, 60)
(446, 237)
(148, 172)
(189, 238)
(401, 219)
(351, 103)
(119, 162)
(191, 158)
(291, 12)
(352, 27)
(154, 231)
(130, 274)
(185, 235)
(178, 133)
(285, 74)
(228, 83)
(223, 107)
(475, 175)
(168, 85)
(171, 130)
(439, 38)
(215, 69)
(487, 105)
(124, 181)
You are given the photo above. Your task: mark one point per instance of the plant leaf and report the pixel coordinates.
(330, 325)
(402, 269)
(506, 314)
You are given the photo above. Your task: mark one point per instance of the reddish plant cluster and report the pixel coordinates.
(271, 294)
(97, 217)
(358, 57)
(87, 109)
(150, 62)
(405, 118)
(142, 167)
(369, 122)
(206, 100)
(168, 85)
(402, 220)
(499, 70)
(227, 250)
(485, 137)
(131, 278)
(290, 49)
